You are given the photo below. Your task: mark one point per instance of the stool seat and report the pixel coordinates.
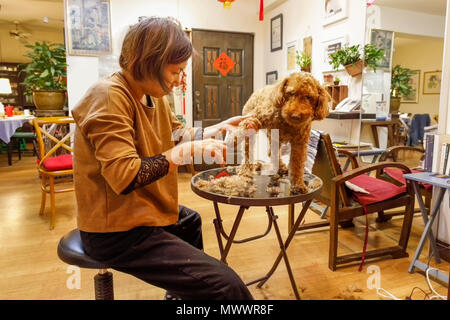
(70, 250)
(24, 135)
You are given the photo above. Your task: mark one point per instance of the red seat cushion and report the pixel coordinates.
(397, 174)
(61, 162)
(379, 190)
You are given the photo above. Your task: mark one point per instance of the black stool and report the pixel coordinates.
(70, 250)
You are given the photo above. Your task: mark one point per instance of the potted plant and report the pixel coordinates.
(303, 61)
(350, 58)
(46, 75)
(337, 81)
(400, 86)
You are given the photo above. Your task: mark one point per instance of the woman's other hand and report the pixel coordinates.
(208, 151)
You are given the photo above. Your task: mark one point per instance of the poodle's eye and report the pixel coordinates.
(310, 98)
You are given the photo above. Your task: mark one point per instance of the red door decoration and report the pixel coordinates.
(224, 64)
(261, 10)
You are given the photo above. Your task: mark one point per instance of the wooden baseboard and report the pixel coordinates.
(444, 250)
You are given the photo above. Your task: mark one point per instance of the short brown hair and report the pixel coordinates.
(152, 44)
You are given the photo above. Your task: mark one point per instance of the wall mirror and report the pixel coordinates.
(402, 95)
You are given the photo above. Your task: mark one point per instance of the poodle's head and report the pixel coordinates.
(301, 98)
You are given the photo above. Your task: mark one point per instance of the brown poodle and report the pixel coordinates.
(290, 105)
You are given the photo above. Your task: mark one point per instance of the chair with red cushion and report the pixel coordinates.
(396, 176)
(346, 204)
(55, 158)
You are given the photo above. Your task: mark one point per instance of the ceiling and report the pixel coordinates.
(30, 14)
(436, 7)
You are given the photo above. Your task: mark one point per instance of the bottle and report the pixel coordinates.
(380, 114)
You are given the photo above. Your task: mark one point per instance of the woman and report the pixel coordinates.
(125, 170)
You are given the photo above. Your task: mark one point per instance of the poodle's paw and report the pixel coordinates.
(250, 123)
(283, 171)
(299, 188)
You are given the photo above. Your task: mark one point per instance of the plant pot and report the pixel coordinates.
(328, 78)
(394, 105)
(306, 69)
(336, 83)
(49, 99)
(355, 69)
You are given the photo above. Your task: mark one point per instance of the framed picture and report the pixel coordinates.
(383, 39)
(432, 82)
(291, 48)
(88, 27)
(329, 47)
(334, 10)
(276, 33)
(415, 83)
(271, 77)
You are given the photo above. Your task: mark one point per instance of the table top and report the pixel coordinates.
(9, 125)
(261, 196)
(430, 178)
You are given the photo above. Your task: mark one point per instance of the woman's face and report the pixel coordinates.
(172, 78)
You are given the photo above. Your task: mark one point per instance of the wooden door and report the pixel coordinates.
(216, 96)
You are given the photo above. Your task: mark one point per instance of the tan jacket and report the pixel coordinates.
(113, 131)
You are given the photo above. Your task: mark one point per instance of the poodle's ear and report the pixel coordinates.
(280, 92)
(322, 107)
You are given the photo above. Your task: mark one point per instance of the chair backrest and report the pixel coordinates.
(326, 167)
(53, 136)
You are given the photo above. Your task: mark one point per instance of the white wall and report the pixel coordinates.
(200, 14)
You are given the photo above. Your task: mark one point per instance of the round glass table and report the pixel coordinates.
(262, 195)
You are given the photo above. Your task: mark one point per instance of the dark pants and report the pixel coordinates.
(168, 257)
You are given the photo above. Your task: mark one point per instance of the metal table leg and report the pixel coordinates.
(427, 232)
(284, 247)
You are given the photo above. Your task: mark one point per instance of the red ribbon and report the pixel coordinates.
(261, 10)
(366, 238)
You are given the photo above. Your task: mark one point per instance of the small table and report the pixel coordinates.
(260, 199)
(441, 185)
(8, 127)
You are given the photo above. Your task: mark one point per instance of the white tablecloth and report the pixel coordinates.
(9, 125)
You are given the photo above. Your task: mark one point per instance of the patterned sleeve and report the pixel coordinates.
(152, 169)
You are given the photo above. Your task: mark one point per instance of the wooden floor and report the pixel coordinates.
(30, 268)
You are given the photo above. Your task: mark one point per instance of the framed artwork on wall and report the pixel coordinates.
(432, 82)
(271, 77)
(276, 33)
(329, 47)
(88, 27)
(291, 48)
(383, 39)
(415, 84)
(334, 10)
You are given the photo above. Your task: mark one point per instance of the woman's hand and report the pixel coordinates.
(229, 125)
(208, 150)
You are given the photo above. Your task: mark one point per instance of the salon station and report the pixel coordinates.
(370, 222)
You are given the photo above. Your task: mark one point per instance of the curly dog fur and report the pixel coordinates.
(290, 105)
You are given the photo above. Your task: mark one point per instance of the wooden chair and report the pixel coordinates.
(339, 198)
(55, 165)
(396, 177)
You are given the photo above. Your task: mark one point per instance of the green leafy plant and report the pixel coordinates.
(345, 56)
(303, 60)
(373, 56)
(349, 55)
(47, 69)
(337, 79)
(401, 82)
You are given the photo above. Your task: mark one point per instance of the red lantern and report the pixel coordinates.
(226, 3)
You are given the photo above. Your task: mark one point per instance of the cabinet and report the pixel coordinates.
(337, 93)
(18, 96)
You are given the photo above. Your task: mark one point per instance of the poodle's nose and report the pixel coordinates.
(296, 117)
